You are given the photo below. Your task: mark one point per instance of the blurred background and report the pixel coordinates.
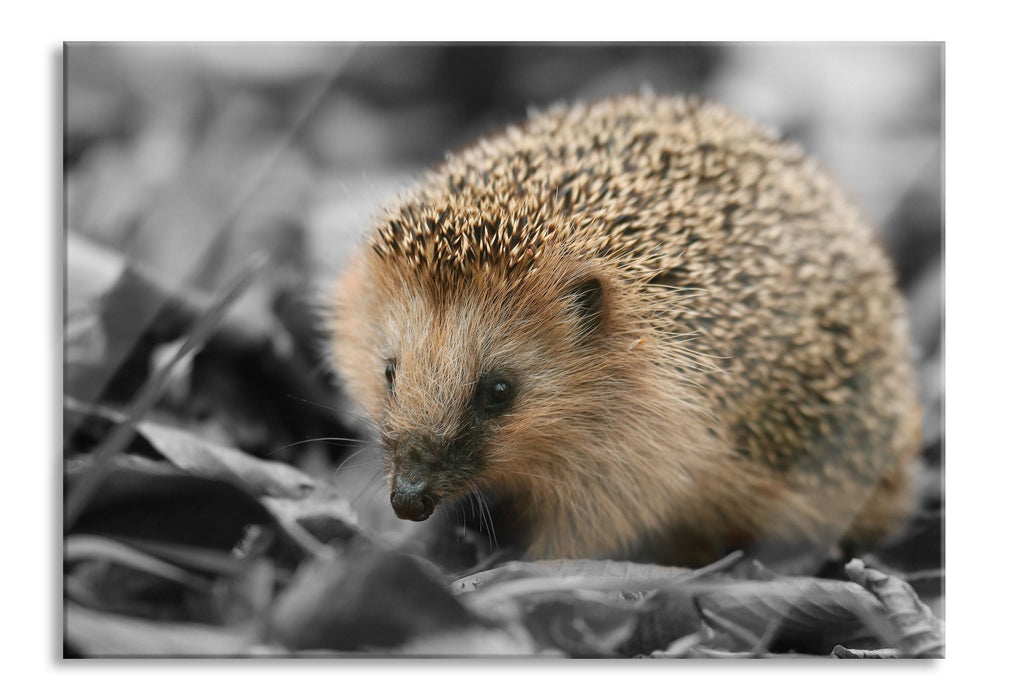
(182, 160)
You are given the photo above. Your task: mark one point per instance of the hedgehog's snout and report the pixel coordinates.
(412, 500)
(418, 468)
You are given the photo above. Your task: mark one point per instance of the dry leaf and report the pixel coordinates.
(841, 652)
(98, 634)
(257, 476)
(364, 599)
(917, 632)
(808, 614)
(260, 476)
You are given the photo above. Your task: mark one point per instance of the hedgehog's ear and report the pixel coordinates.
(586, 300)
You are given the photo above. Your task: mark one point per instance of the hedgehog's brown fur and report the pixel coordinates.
(747, 379)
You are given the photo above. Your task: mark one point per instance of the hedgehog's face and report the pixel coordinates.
(466, 388)
(442, 402)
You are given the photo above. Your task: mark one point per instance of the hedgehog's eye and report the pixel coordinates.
(497, 394)
(390, 373)
(500, 391)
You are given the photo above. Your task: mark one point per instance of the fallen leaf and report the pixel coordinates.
(87, 547)
(364, 599)
(580, 624)
(917, 632)
(257, 476)
(100, 634)
(841, 652)
(569, 573)
(151, 500)
(261, 477)
(805, 614)
(588, 607)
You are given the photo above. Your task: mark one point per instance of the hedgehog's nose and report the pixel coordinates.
(412, 500)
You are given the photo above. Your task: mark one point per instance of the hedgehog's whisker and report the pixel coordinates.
(336, 440)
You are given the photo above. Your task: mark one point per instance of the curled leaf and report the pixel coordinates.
(917, 632)
(583, 625)
(588, 607)
(807, 614)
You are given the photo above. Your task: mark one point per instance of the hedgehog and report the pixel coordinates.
(647, 327)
